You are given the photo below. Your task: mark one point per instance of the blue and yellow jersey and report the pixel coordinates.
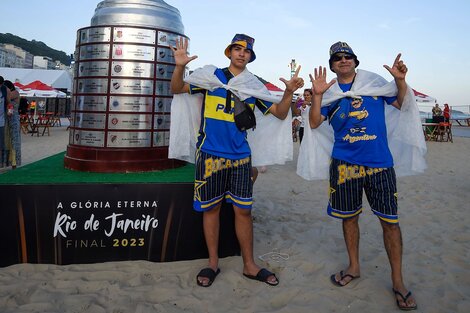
(218, 134)
(361, 134)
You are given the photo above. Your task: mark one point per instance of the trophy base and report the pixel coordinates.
(118, 160)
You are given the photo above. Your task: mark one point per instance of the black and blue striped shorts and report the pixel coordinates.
(347, 182)
(220, 178)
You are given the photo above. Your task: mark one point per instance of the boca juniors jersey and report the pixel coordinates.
(361, 133)
(218, 134)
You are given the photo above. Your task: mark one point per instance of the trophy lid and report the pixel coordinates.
(146, 13)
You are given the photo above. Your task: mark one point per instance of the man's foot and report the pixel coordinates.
(341, 279)
(206, 276)
(405, 301)
(264, 276)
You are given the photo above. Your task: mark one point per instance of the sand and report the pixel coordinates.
(291, 221)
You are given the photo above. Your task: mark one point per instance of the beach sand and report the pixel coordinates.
(305, 245)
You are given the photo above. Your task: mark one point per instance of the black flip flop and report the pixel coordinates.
(337, 282)
(207, 273)
(404, 298)
(263, 276)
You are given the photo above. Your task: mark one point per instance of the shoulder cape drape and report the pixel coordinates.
(404, 131)
(271, 141)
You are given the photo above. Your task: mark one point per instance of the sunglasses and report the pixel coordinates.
(339, 57)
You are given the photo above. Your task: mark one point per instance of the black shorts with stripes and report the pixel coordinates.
(347, 182)
(220, 178)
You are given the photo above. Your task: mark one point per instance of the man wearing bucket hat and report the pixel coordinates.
(355, 105)
(223, 156)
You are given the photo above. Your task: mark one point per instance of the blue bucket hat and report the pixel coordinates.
(245, 41)
(342, 47)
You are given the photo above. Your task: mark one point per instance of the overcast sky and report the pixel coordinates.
(431, 35)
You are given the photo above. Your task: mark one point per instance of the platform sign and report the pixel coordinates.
(88, 223)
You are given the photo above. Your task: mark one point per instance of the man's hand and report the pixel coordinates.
(319, 84)
(180, 52)
(398, 69)
(294, 83)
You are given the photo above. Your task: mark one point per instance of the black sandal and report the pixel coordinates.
(263, 276)
(207, 273)
(404, 298)
(342, 276)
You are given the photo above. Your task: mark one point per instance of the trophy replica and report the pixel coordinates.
(121, 92)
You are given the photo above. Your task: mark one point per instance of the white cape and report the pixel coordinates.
(404, 131)
(271, 141)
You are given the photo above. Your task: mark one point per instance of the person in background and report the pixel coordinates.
(436, 113)
(446, 113)
(4, 103)
(12, 152)
(361, 159)
(32, 107)
(302, 112)
(23, 108)
(296, 118)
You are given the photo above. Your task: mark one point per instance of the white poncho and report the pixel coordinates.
(270, 142)
(404, 131)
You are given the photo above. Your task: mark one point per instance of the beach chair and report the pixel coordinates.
(444, 132)
(44, 122)
(55, 119)
(25, 123)
(430, 131)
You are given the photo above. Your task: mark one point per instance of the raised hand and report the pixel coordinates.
(180, 52)
(319, 84)
(398, 69)
(294, 83)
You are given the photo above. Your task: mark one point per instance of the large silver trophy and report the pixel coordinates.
(121, 94)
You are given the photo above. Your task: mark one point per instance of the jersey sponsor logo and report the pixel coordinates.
(353, 139)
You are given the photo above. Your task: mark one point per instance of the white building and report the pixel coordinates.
(9, 58)
(15, 57)
(42, 62)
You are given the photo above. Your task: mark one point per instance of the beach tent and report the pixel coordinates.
(421, 97)
(41, 90)
(57, 79)
(18, 85)
(273, 89)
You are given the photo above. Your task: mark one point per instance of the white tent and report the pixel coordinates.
(42, 93)
(58, 79)
(421, 97)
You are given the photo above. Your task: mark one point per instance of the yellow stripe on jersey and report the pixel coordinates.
(263, 104)
(215, 107)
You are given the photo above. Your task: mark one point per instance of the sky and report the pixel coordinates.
(430, 34)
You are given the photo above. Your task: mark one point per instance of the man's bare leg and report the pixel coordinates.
(244, 230)
(211, 225)
(394, 247)
(351, 238)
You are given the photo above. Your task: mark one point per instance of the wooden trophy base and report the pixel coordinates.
(118, 160)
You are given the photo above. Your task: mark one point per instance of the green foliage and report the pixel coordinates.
(34, 47)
